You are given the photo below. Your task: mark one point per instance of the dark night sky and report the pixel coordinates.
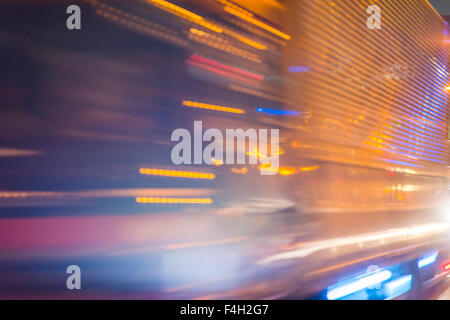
(443, 6)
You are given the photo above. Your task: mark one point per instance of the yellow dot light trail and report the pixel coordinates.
(177, 173)
(256, 22)
(200, 105)
(186, 14)
(307, 169)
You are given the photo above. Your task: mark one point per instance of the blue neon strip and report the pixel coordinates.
(358, 284)
(277, 112)
(299, 69)
(403, 163)
(427, 260)
(398, 287)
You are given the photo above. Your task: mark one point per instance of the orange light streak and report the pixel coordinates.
(177, 174)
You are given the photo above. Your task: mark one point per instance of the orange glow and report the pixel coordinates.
(174, 200)
(249, 18)
(447, 88)
(200, 105)
(257, 154)
(210, 26)
(177, 9)
(297, 145)
(447, 266)
(186, 14)
(246, 40)
(284, 171)
(177, 173)
(307, 169)
(217, 162)
(235, 7)
(355, 59)
(243, 170)
(267, 167)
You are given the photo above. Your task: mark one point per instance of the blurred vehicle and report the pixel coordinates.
(356, 210)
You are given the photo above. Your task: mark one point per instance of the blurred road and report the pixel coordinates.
(446, 294)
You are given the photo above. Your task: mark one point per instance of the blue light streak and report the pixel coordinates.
(277, 112)
(427, 260)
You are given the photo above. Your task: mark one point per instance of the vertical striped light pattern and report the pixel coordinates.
(377, 97)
